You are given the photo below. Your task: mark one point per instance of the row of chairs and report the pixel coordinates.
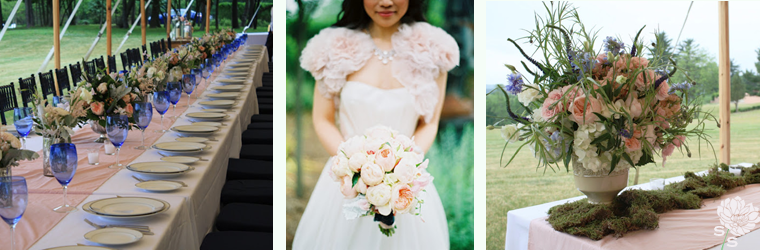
(28, 86)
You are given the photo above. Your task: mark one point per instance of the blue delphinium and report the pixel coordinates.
(514, 83)
(683, 87)
(611, 44)
(558, 144)
(585, 59)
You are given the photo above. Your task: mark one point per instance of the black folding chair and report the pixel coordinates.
(27, 88)
(168, 44)
(7, 100)
(47, 83)
(125, 62)
(62, 76)
(144, 54)
(76, 73)
(163, 46)
(111, 64)
(154, 50)
(90, 69)
(100, 63)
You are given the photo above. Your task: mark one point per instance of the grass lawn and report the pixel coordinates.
(24, 50)
(521, 184)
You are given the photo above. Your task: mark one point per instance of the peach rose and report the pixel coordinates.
(386, 159)
(662, 91)
(549, 110)
(582, 110)
(668, 150)
(372, 174)
(402, 198)
(634, 106)
(97, 108)
(130, 110)
(632, 144)
(679, 140)
(346, 189)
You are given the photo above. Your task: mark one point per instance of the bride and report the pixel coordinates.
(380, 64)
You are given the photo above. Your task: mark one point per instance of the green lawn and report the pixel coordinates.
(24, 50)
(521, 184)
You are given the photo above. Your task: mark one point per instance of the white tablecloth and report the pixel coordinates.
(195, 207)
(518, 221)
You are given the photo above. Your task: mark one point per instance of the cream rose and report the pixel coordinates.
(509, 132)
(86, 96)
(12, 140)
(360, 186)
(372, 174)
(102, 88)
(405, 171)
(340, 167)
(386, 159)
(528, 95)
(402, 199)
(353, 146)
(379, 195)
(379, 132)
(356, 161)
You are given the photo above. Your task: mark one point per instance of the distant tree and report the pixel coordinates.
(661, 48)
(155, 10)
(751, 82)
(695, 62)
(737, 90)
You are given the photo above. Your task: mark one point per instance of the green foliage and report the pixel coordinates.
(737, 88)
(452, 166)
(636, 209)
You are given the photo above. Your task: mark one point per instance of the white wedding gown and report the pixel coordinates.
(323, 225)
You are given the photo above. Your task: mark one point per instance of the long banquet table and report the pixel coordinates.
(527, 229)
(192, 209)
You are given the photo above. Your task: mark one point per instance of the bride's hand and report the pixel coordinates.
(323, 117)
(426, 132)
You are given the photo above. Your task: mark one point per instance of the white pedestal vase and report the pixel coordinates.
(599, 187)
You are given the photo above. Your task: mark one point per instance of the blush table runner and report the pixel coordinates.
(100, 181)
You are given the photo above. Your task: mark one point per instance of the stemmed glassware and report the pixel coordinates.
(198, 73)
(13, 200)
(63, 163)
(175, 92)
(117, 128)
(188, 85)
(143, 114)
(207, 69)
(161, 103)
(22, 120)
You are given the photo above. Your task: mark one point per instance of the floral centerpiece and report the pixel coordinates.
(382, 174)
(109, 96)
(11, 153)
(603, 109)
(55, 124)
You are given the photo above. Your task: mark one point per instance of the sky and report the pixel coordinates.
(510, 19)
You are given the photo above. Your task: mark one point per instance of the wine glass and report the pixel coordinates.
(198, 73)
(143, 114)
(63, 163)
(161, 103)
(217, 60)
(23, 123)
(210, 65)
(175, 92)
(188, 85)
(117, 128)
(56, 101)
(13, 200)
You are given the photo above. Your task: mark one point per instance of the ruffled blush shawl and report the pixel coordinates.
(422, 53)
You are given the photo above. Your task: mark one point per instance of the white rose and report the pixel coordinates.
(346, 188)
(380, 132)
(340, 167)
(528, 95)
(360, 186)
(621, 79)
(379, 195)
(151, 71)
(373, 144)
(509, 132)
(372, 174)
(537, 117)
(356, 161)
(352, 146)
(405, 171)
(86, 96)
(102, 88)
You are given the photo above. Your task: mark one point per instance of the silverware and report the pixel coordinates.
(180, 182)
(143, 229)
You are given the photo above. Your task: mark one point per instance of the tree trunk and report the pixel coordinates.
(29, 15)
(736, 105)
(1, 16)
(216, 13)
(155, 9)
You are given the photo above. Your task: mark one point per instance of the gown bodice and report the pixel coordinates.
(364, 106)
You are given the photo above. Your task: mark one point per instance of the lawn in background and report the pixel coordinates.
(521, 185)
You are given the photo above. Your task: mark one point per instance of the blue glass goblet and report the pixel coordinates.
(23, 123)
(175, 92)
(143, 114)
(217, 60)
(210, 65)
(188, 85)
(161, 103)
(117, 128)
(13, 200)
(63, 163)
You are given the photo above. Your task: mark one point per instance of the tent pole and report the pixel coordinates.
(724, 79)
(142, 20)
(60, 37)
(57, 40)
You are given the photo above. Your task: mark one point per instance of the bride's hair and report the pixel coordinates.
(353, 15)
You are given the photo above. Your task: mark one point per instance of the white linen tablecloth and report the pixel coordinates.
(518, 221)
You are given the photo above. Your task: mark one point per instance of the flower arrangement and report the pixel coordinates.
(606, 107)
(108, 96)
(11, 152)
(57, 122)
(382, 174)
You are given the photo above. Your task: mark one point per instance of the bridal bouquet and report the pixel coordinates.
(382, 174)
(607, 107)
